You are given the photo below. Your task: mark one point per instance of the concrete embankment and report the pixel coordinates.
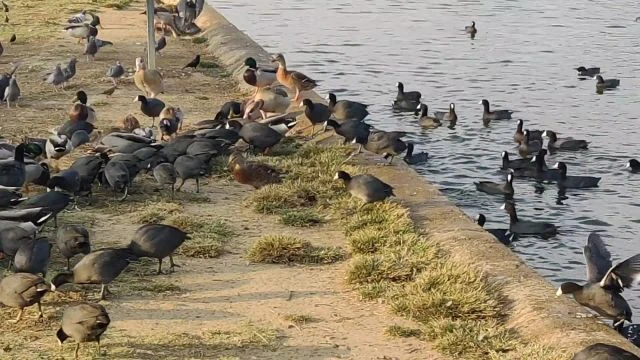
(533, 309)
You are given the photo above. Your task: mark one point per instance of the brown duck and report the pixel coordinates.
(293, 80)
(252, 173)
(148, 81)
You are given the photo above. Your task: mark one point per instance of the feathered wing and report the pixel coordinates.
(623, 274)
(597, 257)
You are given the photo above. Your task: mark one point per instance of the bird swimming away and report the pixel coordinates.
(415, 159)
(589, 72)
(602, 84)
(605, 282)
(471, 29)
(193, 63)
(633, 165)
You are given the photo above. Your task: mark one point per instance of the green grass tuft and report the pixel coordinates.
(199, 40)
(287, 250)
(471, 339)
(300, 218)
(156, 213)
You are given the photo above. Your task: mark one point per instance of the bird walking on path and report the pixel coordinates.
(193, 63)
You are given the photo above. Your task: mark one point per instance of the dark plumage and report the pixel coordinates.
(528, 146)
(22, 290)
(344, 110)
(99, 267)
(118, 178)
(259, 136)
(388, 144)
(165, 174)
(602, 84)
(193, 63)
(350, 129)
(515, 164)
(493, 188)
(317, 113)
(633, 165)
(575, 182)
(503, 235)
(523, 227)
(157, 241)
(413, 96)
(150, 106)
(539, 170)
(33, 256)
(405, 105)
(54, 201)
(72, 240)
(88, 167)
(365, 187)
(13, 171)
(10, 198)
(115, 72)
(449, 116)
(563, 144)
(67, 180)
(534, 135)
(590, 72)
(161, 44)
(604, 282)
(83, 322)
(190, 167)
(252, 173)
(488, 115)
(600, 351)
(415, 159)
(426, 121)
(13, 39)
(471, 29)
(91, 48)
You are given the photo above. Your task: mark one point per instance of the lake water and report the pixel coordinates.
(521, 59)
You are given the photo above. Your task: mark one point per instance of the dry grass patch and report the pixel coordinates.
(299, 319)
(156, 213)
(248, 335)
(290, 250)
(207, 237)
(402, 331)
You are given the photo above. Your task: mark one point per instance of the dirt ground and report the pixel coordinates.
(220, 308)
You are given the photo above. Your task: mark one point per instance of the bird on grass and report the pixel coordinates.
(13, 39)
(252, 173)
(165, 174)
(85, 322)
(78, 18)
(12, 92)
(56, 78)
(157, 241)
(5, 7)
(365, 187)
(605, 282)
(193, 63)
(72, 240)
(91, 48)
(109, 91)
(151, 82)
(22, 290)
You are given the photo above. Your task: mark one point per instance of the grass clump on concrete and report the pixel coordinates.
(459, 310)
(300, 218)
(207, 237)
(290, 250)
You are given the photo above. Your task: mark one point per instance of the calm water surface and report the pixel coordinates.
(521, 59)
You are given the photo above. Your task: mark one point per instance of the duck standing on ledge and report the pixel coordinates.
(258, 77)
(293, 80)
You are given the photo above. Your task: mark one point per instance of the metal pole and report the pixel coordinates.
(151, 37)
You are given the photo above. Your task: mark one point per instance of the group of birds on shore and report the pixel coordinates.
(261, 122)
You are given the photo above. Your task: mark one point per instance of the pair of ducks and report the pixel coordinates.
(261, 77)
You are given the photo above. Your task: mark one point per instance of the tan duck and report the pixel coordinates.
(148, 81)
(293, 80)
(252, 173)
(275, 100)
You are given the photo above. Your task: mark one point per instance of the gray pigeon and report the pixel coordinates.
(12, 92)
(162, 42)
(91, 48)
(56, 78)
(115, 72)
(103, 43)
(70, 70)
